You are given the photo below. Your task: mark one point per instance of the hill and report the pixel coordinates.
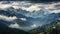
(6, 30)
(52, 28)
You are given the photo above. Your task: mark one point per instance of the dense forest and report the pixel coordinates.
(52, 28)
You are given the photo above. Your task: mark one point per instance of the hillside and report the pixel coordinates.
(52, 28)
(6, 30)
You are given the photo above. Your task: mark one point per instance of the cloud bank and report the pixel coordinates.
(14, 25)
(23, 19)
(28, 6)
(8, 18)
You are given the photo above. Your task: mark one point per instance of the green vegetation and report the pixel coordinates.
(52, 28)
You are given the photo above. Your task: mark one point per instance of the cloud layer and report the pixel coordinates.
(53, 7)
(14, 25)
(23, 19)
(7, 18)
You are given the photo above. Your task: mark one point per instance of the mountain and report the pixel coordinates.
(23, 23)
(52, 28)
(6, 30)
(19, 21)
(34, 14)
(46, 19)
(13, 13)
(38, 18)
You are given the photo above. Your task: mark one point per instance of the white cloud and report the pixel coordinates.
(15, 7)
(31, 8)
(37, 7)
(14, 25)
(55, 11)
(4, 6)
(34, 6)
(7, 18)
(34, 25)
(23, 19)
(50, 7)
(15, 3)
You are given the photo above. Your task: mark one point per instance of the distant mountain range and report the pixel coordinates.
(38, 18)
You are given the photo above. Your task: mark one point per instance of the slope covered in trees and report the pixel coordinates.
(52, 28)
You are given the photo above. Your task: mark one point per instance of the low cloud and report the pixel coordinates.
(28, 6)
(4, 6)
(23, 19)
(34, 25)
(7, 18)
(14, 25)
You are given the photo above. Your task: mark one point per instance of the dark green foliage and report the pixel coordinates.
(52, 28)
(6, 30)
